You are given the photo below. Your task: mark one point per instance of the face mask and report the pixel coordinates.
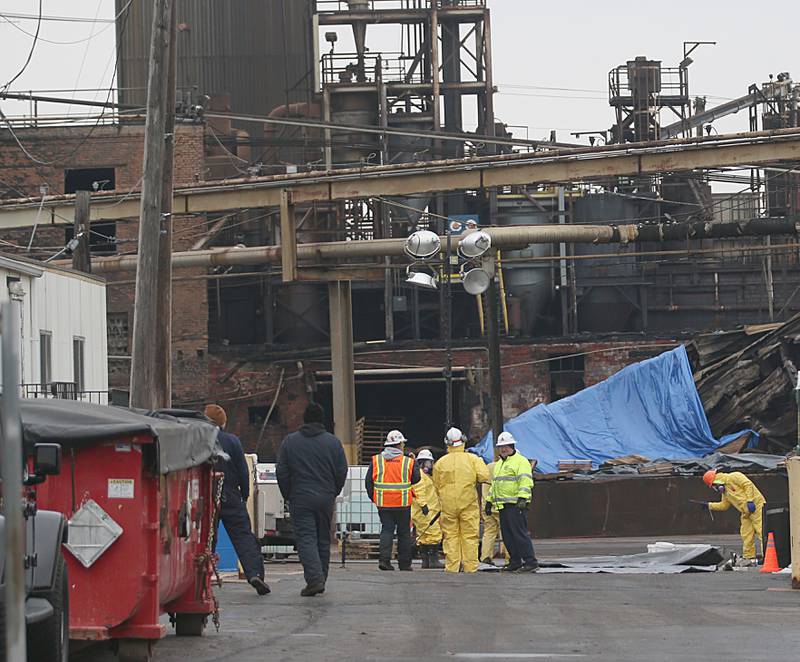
(426, 466)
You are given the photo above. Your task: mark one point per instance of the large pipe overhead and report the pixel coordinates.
(711, 115)
(578, 165)
(506, 238)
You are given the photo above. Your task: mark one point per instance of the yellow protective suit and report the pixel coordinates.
(739, 490)
(491, 523)
(456, 477)
(425, 495)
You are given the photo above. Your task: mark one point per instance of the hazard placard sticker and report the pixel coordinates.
(120, 488)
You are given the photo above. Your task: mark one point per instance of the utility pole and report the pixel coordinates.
(163, 340)
(11, 474)
(146, 381)
(81, 256)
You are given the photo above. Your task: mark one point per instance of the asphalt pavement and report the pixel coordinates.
(366, 614)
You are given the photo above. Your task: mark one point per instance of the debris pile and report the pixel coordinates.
(747, 377)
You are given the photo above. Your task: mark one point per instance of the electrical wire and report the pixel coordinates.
(125, 14)
(30, 53)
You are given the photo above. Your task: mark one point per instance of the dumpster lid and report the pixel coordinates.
(184, 439)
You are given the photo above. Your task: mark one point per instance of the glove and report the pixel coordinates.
(751, 507)
(425, 510)
(487, 508)
(522, 504)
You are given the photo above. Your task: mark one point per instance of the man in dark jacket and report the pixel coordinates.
(233, 511)
(311, 471)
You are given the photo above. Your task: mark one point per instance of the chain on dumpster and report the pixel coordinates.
(208, 556)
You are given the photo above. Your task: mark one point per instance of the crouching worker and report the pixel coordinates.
(738, 490)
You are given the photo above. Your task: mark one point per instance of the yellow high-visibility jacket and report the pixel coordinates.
(739, 489)
(512, 480)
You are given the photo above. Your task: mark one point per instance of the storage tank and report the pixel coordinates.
(607, 293)
(531, 283)
(258, 51)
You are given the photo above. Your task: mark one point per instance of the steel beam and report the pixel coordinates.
(344, 385)
(578, 165)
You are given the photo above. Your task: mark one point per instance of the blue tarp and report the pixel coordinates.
(650, 408)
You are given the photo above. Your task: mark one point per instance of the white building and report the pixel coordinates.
(63, 328)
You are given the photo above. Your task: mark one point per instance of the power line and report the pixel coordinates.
(109, 21)
(66, 19)
(30, 53)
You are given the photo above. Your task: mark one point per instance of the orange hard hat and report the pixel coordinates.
(709, 476)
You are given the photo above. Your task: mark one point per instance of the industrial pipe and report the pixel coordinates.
(505, 238)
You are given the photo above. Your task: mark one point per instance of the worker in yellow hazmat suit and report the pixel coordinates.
(456, 477)
(738, 490)
(491, 525)
(425, 513)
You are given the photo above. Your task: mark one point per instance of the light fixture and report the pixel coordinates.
(475, 244)
(425, 281)
(476, 281)
(423, 245)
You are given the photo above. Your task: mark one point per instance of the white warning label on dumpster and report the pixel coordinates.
(120, 488)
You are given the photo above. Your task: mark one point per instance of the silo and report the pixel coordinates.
(258, 52)
(606, 284)
(531, 283)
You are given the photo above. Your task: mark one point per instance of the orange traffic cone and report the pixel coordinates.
(771, 556)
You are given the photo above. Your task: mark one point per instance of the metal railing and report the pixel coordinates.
(64, 391)
(376, 5)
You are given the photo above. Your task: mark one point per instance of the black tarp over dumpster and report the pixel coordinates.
(182, 441)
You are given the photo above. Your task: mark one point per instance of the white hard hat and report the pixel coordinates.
(395, 438)
(425, 454)
(506, 439)
(454, 437)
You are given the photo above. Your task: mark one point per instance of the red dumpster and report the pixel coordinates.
(140, 496)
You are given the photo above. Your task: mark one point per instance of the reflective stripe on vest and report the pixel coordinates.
(392, 481)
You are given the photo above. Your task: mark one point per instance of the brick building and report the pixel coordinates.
(215, 357)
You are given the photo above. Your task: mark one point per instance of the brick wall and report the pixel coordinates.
(526, 382)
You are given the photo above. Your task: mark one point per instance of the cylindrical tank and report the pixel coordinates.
(257, 51)
(606, 305)
(355, 109)
(530, 283)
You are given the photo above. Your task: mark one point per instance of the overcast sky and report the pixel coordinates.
(538, 46)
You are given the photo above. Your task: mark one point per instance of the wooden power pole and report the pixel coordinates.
(81, 256)
(148, 378)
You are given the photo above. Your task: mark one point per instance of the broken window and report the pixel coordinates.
(117, 329)
(102, 237)
(89, 179)
(566, 376)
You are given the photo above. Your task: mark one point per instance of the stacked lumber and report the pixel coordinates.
(746, 379)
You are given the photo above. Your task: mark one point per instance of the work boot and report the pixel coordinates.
(511, 567)
(488, 561)
(529, 567)
(385, 565)
(261, 587)
(313, 589)
(425, 555)
(406, 568)
(433, 559)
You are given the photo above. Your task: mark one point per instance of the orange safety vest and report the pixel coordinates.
(392, 481)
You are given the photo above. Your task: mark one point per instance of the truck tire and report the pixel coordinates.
(190, 625)
(48, 641)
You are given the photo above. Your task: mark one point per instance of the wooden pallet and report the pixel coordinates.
(362, 549)
(374, 434)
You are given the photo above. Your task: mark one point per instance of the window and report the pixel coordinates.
(89, 179)
(78, 364)
(102, 237)
(566, 376)
(117, 325)
(45, 357)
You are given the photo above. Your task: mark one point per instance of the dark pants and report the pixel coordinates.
(514, 528)
(312, 532)
(398, 519)
(237, 523)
